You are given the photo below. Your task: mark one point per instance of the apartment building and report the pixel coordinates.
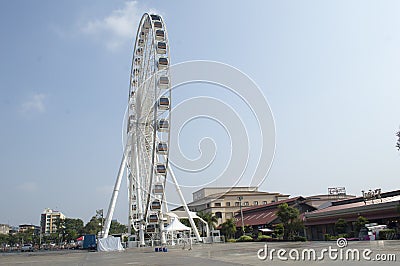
(49, 219)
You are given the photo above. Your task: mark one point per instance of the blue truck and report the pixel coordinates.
(89, 242)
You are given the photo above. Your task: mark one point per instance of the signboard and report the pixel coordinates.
(371, 195)
(337, 191)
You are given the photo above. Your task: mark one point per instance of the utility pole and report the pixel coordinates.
(99, 214)
(240, 198)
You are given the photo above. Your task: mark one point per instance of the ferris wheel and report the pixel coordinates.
(148, 128)
(148, 135)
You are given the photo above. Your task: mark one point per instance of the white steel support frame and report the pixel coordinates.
(183, 201)
(114, 197)
(144, 133)
(135, 162)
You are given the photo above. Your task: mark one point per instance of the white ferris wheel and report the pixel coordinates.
(147, 137)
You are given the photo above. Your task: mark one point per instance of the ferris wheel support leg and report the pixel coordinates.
(178, 189)
(135, 161)
(163, 240)
(163, 237)
(141, 235)
(114, 197)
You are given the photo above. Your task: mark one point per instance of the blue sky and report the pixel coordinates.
(329, 70)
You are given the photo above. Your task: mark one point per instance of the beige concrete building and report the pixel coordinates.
(4, 229)
(224, 202)
(26, 227)
(48, 220)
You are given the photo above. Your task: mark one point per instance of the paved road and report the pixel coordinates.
(215, 254)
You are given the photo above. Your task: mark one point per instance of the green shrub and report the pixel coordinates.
(231, 240)
(263, 237)
(299, 238)
(328, 237)
(387, 234)
(244, 239)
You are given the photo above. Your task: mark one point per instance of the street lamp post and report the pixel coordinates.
(240, 198)
(99, 214)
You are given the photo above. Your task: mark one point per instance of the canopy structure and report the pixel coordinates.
(184, 215)
(176, 225)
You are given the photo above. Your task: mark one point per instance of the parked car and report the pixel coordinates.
(27, 247)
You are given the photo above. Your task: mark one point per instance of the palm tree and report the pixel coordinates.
(211, 219)
(229, 228)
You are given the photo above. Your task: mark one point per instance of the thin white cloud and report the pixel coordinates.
(28, 187)
(34, 104)
(117, 28)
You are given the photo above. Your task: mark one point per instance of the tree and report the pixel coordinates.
(289, 217)
(60, 229)
(279, 230)
(360, 223)
(12, 239)
(248, 229)
(340, 226)
(93, 227)
(228, 228)
(3, 240)
(211, 219)
(185, 221)
(117, 228)
(73, 228)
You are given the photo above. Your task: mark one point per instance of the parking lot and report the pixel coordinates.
(214, 254)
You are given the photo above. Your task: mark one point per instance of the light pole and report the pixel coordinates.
(240, 198)
(99, 214)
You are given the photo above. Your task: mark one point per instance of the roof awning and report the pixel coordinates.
(181, 214)
(266, 230)
(259, 218)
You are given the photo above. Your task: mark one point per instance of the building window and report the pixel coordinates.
(265, 202)
(208, 205)
(246, 203)
(255, 203)
(217, 204)
(218, 214)
(237, 203)
(228, 204)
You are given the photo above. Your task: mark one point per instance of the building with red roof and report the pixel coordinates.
(382, 210)
(264, 216)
